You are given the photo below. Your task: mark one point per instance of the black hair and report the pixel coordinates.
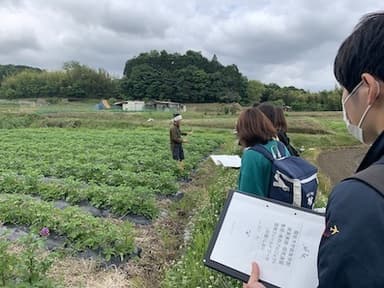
(175, 114)
(362, 52)
(269, 110)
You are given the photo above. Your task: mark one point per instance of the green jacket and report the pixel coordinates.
(255, 171)
(175, 136)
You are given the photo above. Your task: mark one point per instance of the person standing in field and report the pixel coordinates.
(176, 140)
(351, 250)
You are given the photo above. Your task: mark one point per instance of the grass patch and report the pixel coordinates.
(189, 270)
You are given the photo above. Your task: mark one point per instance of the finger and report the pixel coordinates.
(255, 275)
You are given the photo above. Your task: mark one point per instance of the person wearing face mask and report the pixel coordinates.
(351, 250)
(357, 130)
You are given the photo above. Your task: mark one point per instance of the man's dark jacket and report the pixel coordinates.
(351, 252)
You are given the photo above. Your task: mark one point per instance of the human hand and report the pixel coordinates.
(253, 281)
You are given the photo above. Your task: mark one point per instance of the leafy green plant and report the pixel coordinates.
(117, 170)
(7, 262)
(33, 264)
(82, 231)
(28, 265)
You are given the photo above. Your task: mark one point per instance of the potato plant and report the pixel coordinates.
(82, 231)
(122, 171)
(118, 170)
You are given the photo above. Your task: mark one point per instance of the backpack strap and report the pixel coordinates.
(372, 176)
(268, 154)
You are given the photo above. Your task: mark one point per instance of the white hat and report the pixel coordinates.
(177, 118)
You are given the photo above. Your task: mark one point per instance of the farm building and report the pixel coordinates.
(166, 106)
(131, 105)
(134, 105)
(287, 108)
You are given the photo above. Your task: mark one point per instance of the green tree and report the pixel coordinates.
(184, 78)
(9, 70)
(255, 89)
(76, 80)
(84, 82)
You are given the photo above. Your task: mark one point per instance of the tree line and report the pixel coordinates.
(9, 70)
(73, 81)
(154, 75)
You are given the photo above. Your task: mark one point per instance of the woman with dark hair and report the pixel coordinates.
(253, 127)
(281, 126)
(269, 110)
(276, 116)
(280, 122)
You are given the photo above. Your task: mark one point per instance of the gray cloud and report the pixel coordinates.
(15, 44)
(287, 42)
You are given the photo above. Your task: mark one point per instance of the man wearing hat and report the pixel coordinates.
(177, 140)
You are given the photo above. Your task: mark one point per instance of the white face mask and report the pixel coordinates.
(356, 131)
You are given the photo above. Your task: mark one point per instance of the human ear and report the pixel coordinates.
(373, 87)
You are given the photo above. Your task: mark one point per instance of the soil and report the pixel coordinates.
(341, 163)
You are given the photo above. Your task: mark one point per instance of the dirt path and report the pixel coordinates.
(341, 163)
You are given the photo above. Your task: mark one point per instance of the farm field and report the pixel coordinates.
(105, 186)
(118, 170)
(90, 187)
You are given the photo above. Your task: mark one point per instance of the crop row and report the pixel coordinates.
(119, 200)
(82, 230)
(113, 157)
(118, 170)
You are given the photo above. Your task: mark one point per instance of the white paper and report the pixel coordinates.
(283, 240)
(233, 161)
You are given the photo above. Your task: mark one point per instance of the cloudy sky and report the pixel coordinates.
(288, 42)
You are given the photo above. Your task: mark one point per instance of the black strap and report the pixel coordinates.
(372, 176)
(283, 137)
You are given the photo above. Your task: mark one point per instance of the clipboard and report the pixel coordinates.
(283, 239)
(228, 161)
